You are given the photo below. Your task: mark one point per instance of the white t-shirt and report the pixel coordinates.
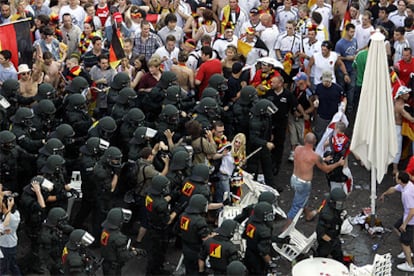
(363, 35)
(325, 11)
(78, 15)
(283, 16)
(323, 64)
(269, 37)
(311, 50)
(163, 53)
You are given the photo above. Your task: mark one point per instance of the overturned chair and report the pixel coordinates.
(299, 243)
(382, 266)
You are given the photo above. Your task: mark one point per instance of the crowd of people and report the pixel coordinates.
(162, 132)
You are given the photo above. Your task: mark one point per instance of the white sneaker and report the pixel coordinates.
(402, 255)
(405, 267)
(291, 156)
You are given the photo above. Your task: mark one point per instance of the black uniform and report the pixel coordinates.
(285, 103)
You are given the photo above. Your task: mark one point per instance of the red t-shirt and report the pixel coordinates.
(410, 166)
(206, 70)
(406, 68)
(102, 13)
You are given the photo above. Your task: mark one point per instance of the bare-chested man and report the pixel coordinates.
(402, 95)
(185, 76)
(52, 69)
(28, 88)
(304, 161)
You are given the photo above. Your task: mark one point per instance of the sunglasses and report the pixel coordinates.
(25, 73)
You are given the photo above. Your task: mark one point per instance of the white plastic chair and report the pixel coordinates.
(299, 243)
(382, 266)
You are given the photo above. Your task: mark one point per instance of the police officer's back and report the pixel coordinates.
(193, 230)
(75, 257)
(220, 250)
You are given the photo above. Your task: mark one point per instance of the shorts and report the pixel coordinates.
(406, 237)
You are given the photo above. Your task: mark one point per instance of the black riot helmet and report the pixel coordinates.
(64, 133)
(337, 198)
(227, 228)
(52, 146)
(45, 109)
(264, 108)
(54, 164)
(46, 91)
(7, 140)
(180, 160)
(127, 95)
(170, 114)
(218, 82)
(116, 217)
(198, 204)
(94, 146)
(106, 127)
(167, 79)
(76, 102)
(79, 238)
(268, 197)
(24, 116)
(263, 212)
(173, 95)
(159, 185)
(200, 173)
(56, 215)
(248, 95)
(120, 81)
(10, 88)
(236, 268)
(212, 93)
(209, 107)
(78, 85)
(113, 157)
(135, 117)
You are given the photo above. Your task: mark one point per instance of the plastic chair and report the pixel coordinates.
(382, 266)
(299, 243)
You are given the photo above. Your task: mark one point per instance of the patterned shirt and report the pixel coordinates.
(147, 47)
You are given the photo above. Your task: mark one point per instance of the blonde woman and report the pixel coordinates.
(234, 155)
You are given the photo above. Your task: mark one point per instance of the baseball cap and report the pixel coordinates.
(250, 30)
(327, 76)
(300, 76)
(117, 17)
(254, 10)
(402, 90)
(190, 42)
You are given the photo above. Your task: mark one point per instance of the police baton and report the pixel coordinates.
(253, 153)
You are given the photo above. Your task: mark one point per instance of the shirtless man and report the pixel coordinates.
(402, 95)
(185, 76)
(304, 161)
(52, 69)
(28, 88)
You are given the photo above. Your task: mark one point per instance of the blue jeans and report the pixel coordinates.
(302, 192)
(221, 187)
(8, 263)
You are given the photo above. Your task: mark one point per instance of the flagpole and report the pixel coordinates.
(17, 21)
(373, 195)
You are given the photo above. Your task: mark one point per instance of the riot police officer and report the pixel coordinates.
(219, 249)
(179, 170)
(53, 237)
(218, 82)
(120, 81)
(329, 226)
(46, 91)
(139, 140)
(159, 217)
(258, 235)
(123, 103)
(260, 131)
(76, 115)
(236, 268)
(105, 174)
(178, 98)
(52, 146)
(133, 119)
(54, 171)
(242, 109)
(91, 153)
(66, 134)
(15, 163)
(76, 259)
(193, 229)
(22, 128)
(10, 91)
(77, 85)
(151, 103)
(104, 128)
(196, 183)
(207, 111)
(248, 210)
(44, 118)
(114, 243)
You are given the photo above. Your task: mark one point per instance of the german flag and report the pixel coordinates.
(347, 19)
(116, 51)
(15, 37)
